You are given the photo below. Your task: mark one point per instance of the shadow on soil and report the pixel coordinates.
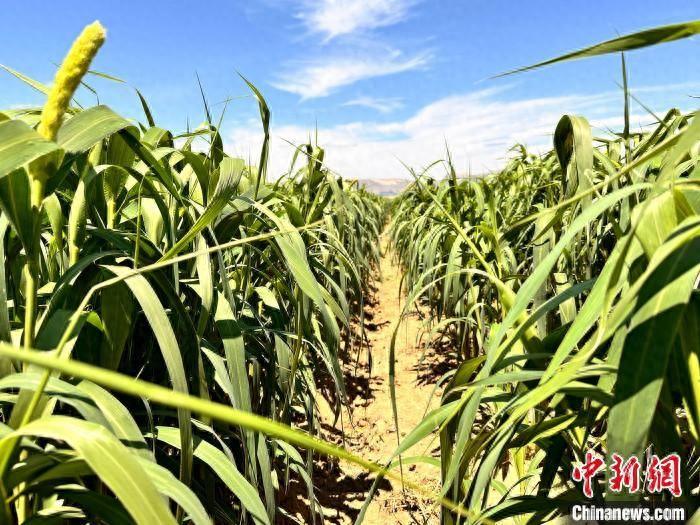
(340, 495)
(438, 359)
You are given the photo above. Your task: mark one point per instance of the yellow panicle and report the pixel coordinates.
(68, 77)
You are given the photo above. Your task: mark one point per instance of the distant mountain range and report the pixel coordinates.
(384, 187)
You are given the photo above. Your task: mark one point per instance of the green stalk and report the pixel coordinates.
(31, 268)
(298, 346)
(30, 308)
(111, 213)
(76, 220)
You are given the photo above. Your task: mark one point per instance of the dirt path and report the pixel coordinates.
(371, 433)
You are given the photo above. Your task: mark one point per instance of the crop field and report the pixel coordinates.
(186, 339)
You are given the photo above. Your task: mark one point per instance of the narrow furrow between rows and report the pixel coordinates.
(371, 433)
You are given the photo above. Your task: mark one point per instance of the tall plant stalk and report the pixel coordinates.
(68, 77)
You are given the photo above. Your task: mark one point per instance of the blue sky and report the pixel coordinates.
(384, 81)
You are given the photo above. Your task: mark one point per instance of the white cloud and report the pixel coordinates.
(359, 55)
(479, 128)
(322, 77)
(342, 17)
(383, 105)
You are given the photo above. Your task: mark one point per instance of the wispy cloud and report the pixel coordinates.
(479, 127)
(333, 18)
(322, 77)
(357, 52)
(383, 105)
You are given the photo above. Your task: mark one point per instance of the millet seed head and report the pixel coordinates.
(68, 77)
